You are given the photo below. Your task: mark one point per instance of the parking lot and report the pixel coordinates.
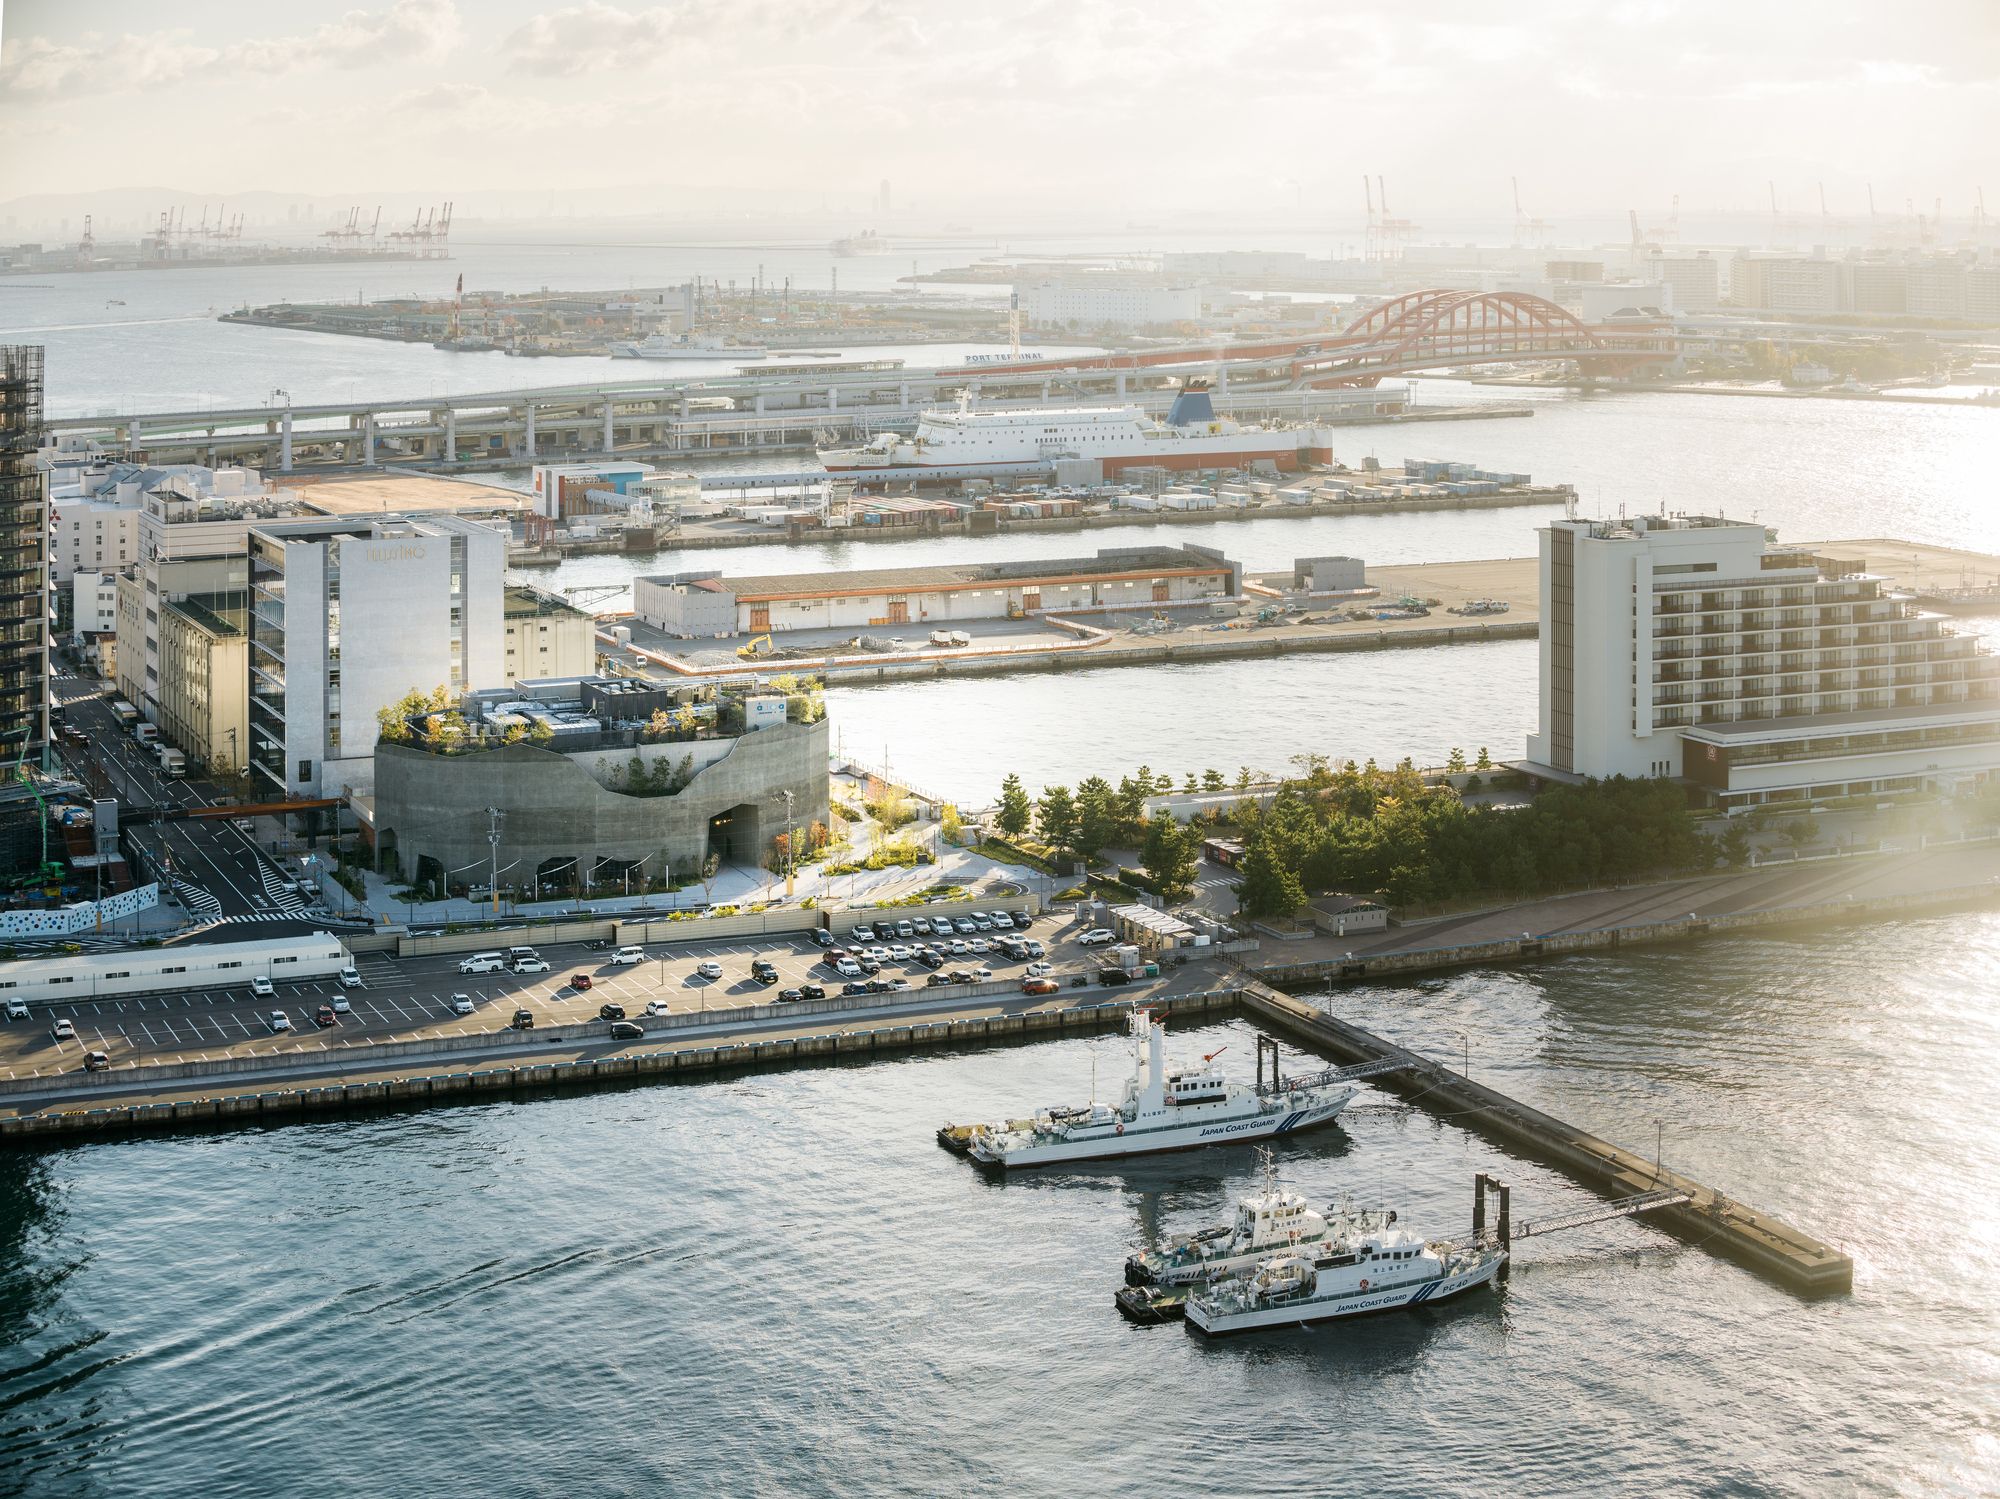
(411, 998)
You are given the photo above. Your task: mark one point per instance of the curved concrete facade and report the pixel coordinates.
(433, 807)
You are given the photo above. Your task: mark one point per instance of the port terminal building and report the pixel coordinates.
(1139, 578)
(1692, 647)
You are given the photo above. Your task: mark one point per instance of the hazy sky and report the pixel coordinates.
(1130, 109)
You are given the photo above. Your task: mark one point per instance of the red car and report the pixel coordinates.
(579, 981)
(1040, 986)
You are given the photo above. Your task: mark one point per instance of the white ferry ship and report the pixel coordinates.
(1269, 1222)
(949, 443)
(1361, 1266)
(661, 346)
(1157, 1110)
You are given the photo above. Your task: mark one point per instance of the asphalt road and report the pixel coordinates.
(411, 998)
(213, 868)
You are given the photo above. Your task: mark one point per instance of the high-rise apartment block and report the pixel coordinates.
(24, 601)
(1689, 646)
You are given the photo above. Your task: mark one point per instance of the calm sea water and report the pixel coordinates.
(779, 1284)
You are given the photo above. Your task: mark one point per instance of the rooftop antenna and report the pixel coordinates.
(1871, 211)
(1825, 218)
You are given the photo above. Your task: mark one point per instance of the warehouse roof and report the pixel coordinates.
(1119, 562)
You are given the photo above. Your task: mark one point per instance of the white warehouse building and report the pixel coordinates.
(1105, 302)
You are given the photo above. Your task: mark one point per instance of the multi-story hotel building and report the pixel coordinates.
(1689, 646)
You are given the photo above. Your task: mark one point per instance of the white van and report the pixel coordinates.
(483, 962)
(517, 954)
(629, 955)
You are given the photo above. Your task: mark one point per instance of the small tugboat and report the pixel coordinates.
(1271, 1221)
(1159, 1110)
(1354, 1270)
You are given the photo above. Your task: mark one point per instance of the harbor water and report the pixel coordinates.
(780, 1285)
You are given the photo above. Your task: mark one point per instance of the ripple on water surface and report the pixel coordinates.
(779, 1285)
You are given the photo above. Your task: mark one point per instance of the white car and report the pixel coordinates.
(626, 956)
(898, 986)
(659, 1007)
(340, 1004)
(17, 1009)
(261, 988)
(350, 978)
(1096, 937)
(847, 968)
(530, 965)
(280, 1021)
(959, 947)
(709, 970)
(900, 953)
(879, 954)
(982, 974)
(1038, 970)
(980, 944)
(461, 1004)
(62, 1030)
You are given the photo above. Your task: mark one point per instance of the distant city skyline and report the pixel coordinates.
(1091, 108)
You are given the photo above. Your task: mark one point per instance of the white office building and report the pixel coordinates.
(1688, 646)
(346, 619)
(87, 534)
(93, 603)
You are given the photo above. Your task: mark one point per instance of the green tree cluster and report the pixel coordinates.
(1385, 832)
(662, 778)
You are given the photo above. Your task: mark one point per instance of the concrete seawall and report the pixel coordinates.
(1388, 965)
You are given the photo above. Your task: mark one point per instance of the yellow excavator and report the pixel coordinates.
(753, 648)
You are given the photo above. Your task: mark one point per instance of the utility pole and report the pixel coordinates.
(494, 815)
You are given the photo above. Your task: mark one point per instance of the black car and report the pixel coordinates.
(764, 971)
(524, 1020)
(960, 976)
(821, 936)
(791, 996)
(611, 1012)
(811, 991)
(937, 981)
(930, 959)
(1010, 948)
(1022, 921)
(853, 989)
(625, 1030)
(880, 986)
(1112, 977)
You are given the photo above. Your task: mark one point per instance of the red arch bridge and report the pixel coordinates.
(1434, 329)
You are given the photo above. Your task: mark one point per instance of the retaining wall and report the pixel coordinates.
(1386, 965)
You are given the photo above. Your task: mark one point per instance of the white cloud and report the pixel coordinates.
(598, 38)
(408, 31)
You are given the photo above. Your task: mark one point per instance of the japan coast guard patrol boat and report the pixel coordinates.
(1158, 1110)
(1267, 1223)
(1361, 1265)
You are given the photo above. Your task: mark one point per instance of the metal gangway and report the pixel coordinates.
(1279, 1084)
(1504, 1232)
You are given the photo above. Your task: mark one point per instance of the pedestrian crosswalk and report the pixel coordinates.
(197, 901)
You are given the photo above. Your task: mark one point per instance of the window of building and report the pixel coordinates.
(305, 770)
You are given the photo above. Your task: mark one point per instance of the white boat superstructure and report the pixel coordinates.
(1159, 1108)
(1193, 436)
(1267, 1223)
(1363, 1264)
(665, 346)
